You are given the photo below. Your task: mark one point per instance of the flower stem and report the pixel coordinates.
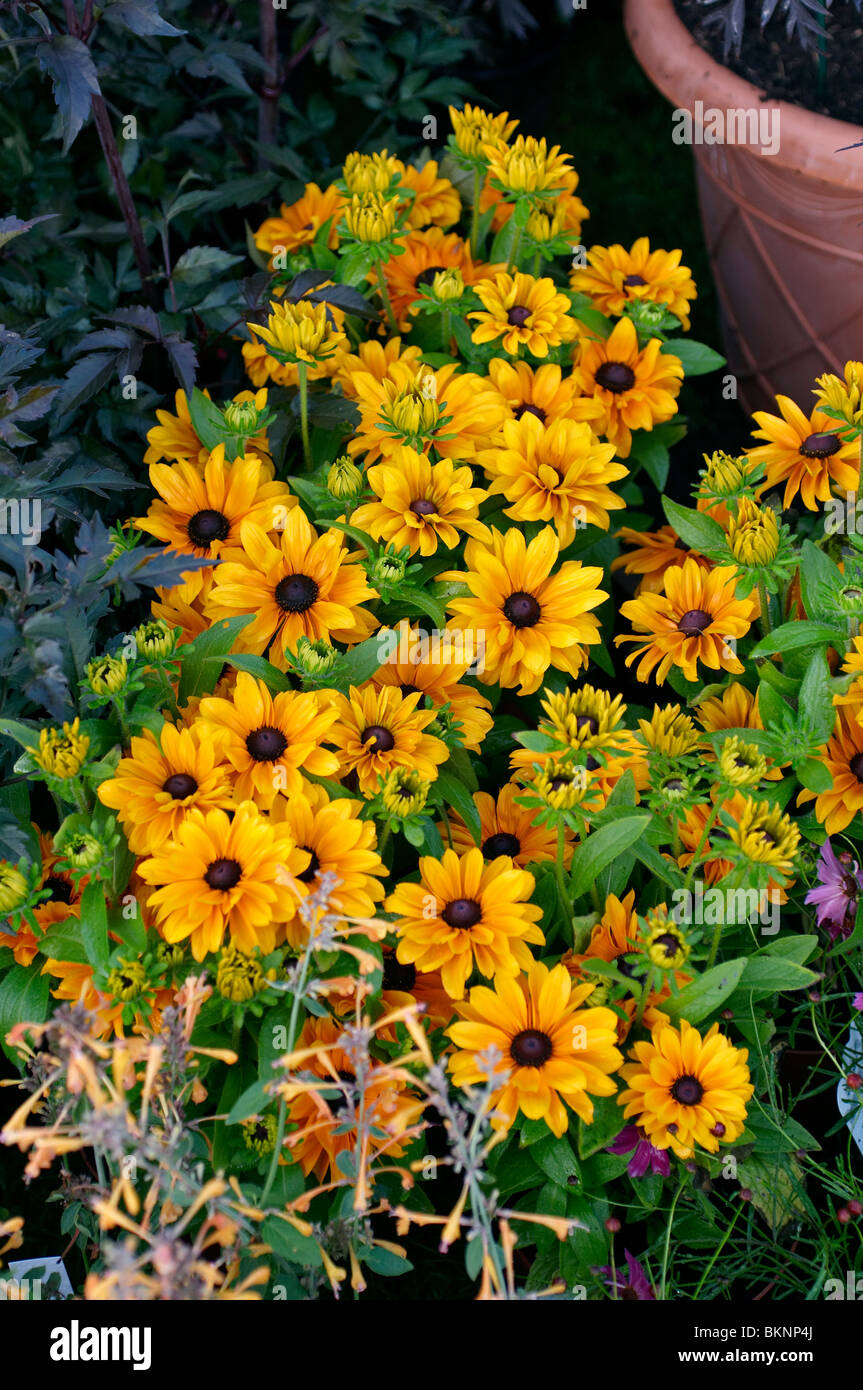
(303, 376)
(387, 302)
(563, 896)
(474, 217)
(763, 599)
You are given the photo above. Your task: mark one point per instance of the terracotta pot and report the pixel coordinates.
(784, 231)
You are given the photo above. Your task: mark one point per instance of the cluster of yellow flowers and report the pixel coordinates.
(243, 802)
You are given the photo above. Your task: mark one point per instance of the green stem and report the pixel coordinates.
(283, 1113)
(303, 375)
(512, 263)
(708, 826)
(646, 990)
(474, 217)
(563, 896)
(668, 1241)
(766, 625)
(717, 1252)
(387, 302)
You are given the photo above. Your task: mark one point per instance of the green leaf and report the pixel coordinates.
(63, 942)
(141, 16)
(253, 1101)
(608, 1121)
(208, 422)
(699, 531)
(451, 792)
(653, 455)
(23, 999)
(814, 775)
(772, 975)
(290, 1243)
(386, 1262)
(361, 662)
(601, 847)
(816, 698)
(556, 1159)
(798, 948)
(13, 226)
(791, 636)
(203, 659)
(261, 669)
(697, 358)
(819, 579)
(94, 925)
(203, 263)
(70, 66)
(706, 993)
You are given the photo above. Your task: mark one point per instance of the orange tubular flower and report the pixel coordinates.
(691, 621)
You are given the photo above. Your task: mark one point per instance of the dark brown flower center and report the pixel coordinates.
(462, 913)
(856, 766)
(530, 410)
(669, 944)
(632, 969)
(426, 276)
(314, 864)
(499, 844)
(820, 446)
(409, 690)
(522, 610)
(180, 785)
(266, 744)
(586, 721)
(687, 1090)
(615, 376)
(380, 738)
(423, 506)
(207, 526)
(59, 888)
(849, 885)
(693, 623)
(296, 593)
(223, 874)
(634, 280)
(518, 316)
(718, 1129)
(531, 1048)
(398, 976)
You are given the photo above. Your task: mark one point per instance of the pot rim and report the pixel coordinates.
(684, 73)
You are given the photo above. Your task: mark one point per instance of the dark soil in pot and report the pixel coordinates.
(782, 68)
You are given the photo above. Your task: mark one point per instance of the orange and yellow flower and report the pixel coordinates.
(421, 504)
(163, 779)
(269, 740)
(691, 621)
(299, 223)
(523, 312)
(637, 388)
(553, 1050)
(303, 585)
(379, 729)
(221, 874)
(530, 618)
(558, 472)
(615, 277)
(465, 914)
(807, 455)
(685, 1090)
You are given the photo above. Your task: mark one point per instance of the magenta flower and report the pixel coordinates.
(857, 1002)
(646, 1155)
(629, 1286)
(840, 883)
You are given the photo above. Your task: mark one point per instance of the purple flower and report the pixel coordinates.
(840, 883)
(857, 1002)
(646, 1155)
(631, 1286)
